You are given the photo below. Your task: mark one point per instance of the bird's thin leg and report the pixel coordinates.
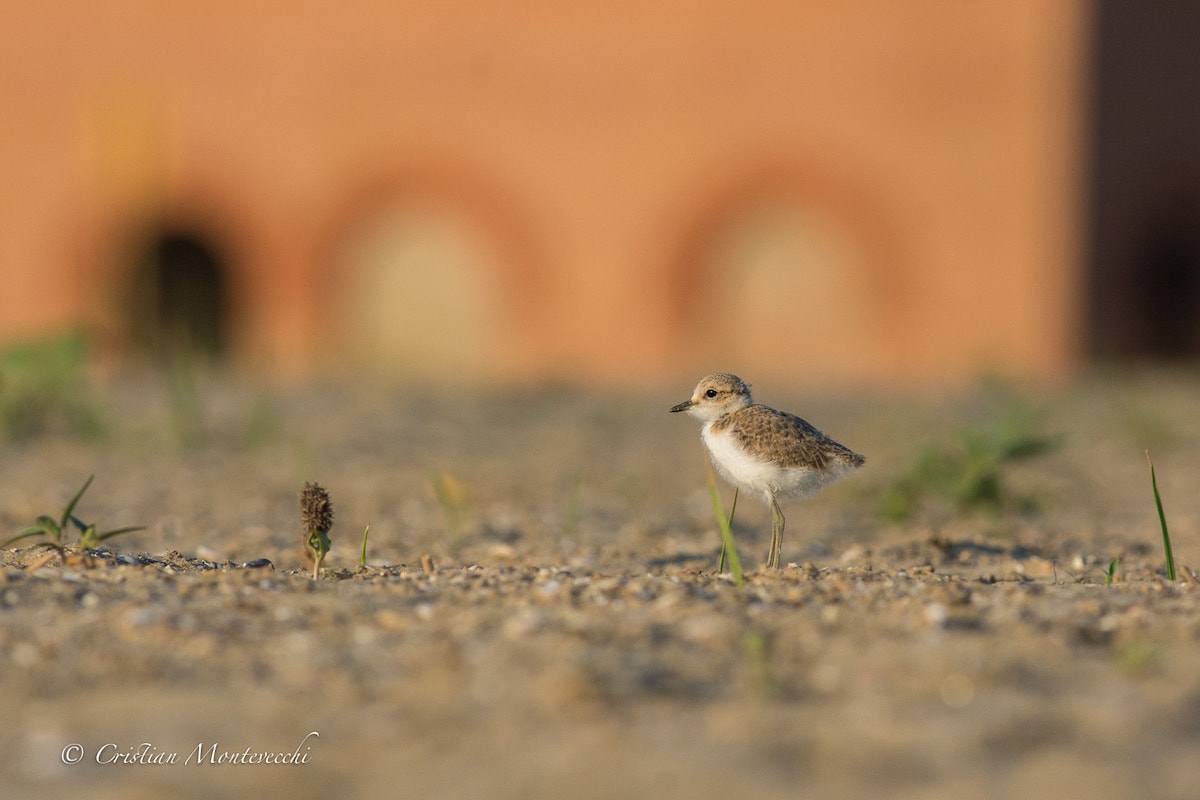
(776, 535)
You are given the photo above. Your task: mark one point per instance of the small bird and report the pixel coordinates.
(765, 451)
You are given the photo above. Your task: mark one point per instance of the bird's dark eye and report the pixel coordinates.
(711, 393)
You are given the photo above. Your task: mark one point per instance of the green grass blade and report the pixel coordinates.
(756, 650)
(363, 559)
(1111, 574)
(33, 530)
(728, 545)
(66, 517)
(109, 534)
(1162, 519)
(48, 524)
(732, 511)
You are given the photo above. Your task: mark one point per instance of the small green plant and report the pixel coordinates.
(756, 649)
(1162, 519)
(451, 494)
(724, 546)
(725, 523)
(43, 388)
(573, 511)
(1110, 575)
(316, 516)
(55, 530)
(969, 474)
(1138, 657)
(363, 558)
(180, 374)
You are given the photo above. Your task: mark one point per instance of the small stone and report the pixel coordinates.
(935, 614)
(524, 623)
(502, 552)
(24, 655)
(208, 554)
(957, 690)
(826, 677)
(853, 554)
(607, 587)
(707, 629)
(1035, 567)
(389, 619)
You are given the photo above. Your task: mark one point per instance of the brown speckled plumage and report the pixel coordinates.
(784, 438)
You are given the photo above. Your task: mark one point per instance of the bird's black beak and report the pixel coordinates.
(684, 406)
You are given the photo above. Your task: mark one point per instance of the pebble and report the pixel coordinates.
(936, 614)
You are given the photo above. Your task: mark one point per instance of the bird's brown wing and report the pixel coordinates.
(787, 439)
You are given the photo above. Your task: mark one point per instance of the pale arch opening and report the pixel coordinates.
(782, 289)
(420, 295)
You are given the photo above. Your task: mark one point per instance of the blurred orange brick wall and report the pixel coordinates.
(860, 191)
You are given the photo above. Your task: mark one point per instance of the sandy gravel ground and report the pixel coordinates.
(568, 635)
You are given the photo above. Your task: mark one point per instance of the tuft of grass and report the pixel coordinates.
(1139, 657)
(180, 374)
(43, 388)
(969, 473)
(725, 523)
(263, 425)
(756, 649)
(451, 494)
(573, 512)
(54, 531)
(1110, 575)
(1162, 519)
(724, 546)
(316, 517)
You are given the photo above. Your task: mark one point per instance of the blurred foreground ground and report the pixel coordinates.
(572, 639)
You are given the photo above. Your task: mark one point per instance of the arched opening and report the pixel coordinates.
(1144, 231)
(781, 286)
(1167, 297)
(421, 294)
(178, 293)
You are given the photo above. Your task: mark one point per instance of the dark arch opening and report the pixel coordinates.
(1167, 295)
(179, 294)
(1144, 232)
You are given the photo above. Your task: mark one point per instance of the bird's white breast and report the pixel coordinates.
(738, 466)
(754, 474)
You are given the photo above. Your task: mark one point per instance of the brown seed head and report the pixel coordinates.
(316, 509)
